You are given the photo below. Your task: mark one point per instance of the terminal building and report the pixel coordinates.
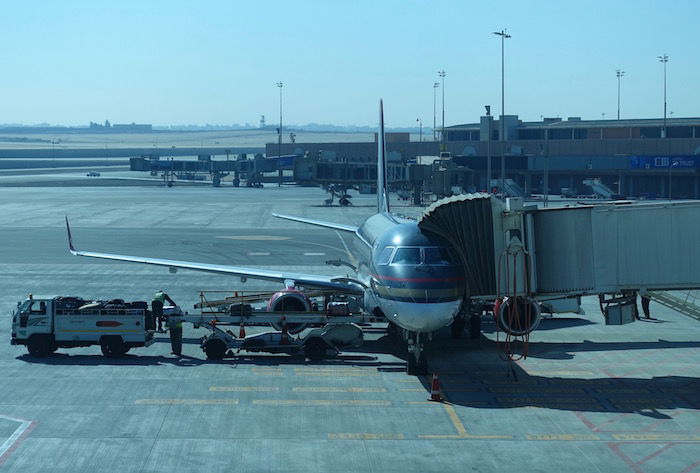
(644, 158)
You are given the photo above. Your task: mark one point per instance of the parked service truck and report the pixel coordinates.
(45, 324)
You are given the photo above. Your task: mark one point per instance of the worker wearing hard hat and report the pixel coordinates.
(157, 303)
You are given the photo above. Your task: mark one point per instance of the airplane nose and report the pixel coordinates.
(420, 317)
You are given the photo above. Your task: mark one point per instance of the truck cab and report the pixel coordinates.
(32, 317)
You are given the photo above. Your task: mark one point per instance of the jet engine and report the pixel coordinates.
(517, 316)
(292, 301)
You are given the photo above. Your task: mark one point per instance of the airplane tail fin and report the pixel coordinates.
(382, 193)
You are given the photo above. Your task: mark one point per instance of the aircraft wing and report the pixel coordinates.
(320, 223)
(298, 279)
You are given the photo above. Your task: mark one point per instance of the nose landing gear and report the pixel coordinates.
(417, 360)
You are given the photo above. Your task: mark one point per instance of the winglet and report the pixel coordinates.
(70, 238)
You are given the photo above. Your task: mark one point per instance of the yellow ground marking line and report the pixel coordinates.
(462, 432)
(324, 389)
(268, 373)
(425, 403)
(534, 390)
(560, 373)
(101, 330)
(244, 388)
(661, 437)
(187, 401)
(364, 436)
(320, 402)
(331, 373)
(254, 237)
(565, 437)
(455, 420)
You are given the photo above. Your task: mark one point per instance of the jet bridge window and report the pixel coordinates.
(407, 256)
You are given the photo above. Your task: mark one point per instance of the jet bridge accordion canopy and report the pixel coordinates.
(466, 222)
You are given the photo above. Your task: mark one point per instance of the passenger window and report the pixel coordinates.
(385, 255)
(406, 256)
(438, 256)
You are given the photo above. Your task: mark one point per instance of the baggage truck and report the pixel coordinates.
(45, 324)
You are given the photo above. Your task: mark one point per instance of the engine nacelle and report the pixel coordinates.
(517, 316)
(289, 300)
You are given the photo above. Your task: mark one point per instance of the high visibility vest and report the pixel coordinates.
(159, 296)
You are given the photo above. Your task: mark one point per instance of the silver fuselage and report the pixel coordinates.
(419, 296)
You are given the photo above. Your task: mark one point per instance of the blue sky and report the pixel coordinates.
(186, 62)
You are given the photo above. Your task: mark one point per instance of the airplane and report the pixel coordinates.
(409, 276)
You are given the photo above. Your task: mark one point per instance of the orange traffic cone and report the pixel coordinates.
(241, 331)
(435, 389)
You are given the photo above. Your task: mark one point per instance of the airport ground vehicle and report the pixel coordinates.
(45, 324)
(93, 174)
(335, 326)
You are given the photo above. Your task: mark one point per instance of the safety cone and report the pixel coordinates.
(285, 336)
(241, 331)
(435, 389)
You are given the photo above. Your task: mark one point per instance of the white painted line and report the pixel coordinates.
(259, 253)
(6, 447)
(314, 254)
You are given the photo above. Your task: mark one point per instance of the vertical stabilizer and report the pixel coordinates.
(382, 193)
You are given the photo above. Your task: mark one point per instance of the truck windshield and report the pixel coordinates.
(25, 305)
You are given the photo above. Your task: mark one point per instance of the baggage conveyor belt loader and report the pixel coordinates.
(331, 329)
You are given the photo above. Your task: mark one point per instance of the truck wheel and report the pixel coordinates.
(113, 347)
(215, 348)
(315, 349)
(39, 345)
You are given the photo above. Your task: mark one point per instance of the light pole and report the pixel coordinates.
(619, 74)
(420, 146)
(279, 138)
(670, 166)
(504, 35)
(442, 130)
(664, 60)
(435, 86)
(488, 148)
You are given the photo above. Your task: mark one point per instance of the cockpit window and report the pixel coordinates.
(438, 255)
(385, 255)
(406, 256)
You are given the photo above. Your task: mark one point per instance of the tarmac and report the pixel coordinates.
(588, 397)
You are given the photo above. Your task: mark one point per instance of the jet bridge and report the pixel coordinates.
(508, 248)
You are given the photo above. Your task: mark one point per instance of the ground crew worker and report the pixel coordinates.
(159, 299)
(175, 328)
